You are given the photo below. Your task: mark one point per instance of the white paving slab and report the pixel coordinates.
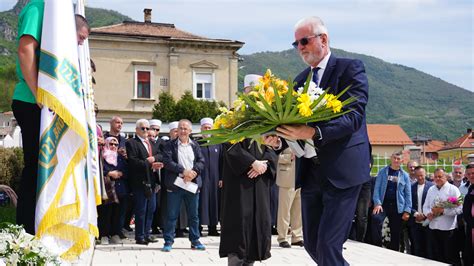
(131, 254)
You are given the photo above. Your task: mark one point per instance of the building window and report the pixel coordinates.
(203, 86)
(143, 84)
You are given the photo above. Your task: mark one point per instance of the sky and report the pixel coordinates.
(434, 36)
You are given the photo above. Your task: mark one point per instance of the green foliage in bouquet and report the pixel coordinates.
(273, 102)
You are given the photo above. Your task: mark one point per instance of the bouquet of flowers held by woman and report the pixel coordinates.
(449, 203)
(272, 102)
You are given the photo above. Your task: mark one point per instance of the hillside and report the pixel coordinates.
(8, 31)
(420, 103)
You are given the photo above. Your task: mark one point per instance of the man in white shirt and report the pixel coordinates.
(183, 160)
(443, 221)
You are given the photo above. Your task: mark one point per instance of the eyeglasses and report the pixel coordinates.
(145, 128)
(304, 41)
(155, 129)
(113, 144)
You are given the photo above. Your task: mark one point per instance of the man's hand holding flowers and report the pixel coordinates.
(294, 132)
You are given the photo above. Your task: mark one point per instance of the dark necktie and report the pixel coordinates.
(315, 75)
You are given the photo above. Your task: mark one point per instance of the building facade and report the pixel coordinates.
(136, 61)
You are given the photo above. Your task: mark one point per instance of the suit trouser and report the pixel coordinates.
(443, 246)
(419, 239)
(327, 218)
(289, 212)
(28, 116)
(144, 209)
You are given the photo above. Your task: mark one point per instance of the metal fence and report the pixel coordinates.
(380, 161)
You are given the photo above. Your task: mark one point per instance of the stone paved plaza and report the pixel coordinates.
(131, 254)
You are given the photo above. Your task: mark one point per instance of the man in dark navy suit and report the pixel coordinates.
(142, 159)
(331, 181)
(418, 232)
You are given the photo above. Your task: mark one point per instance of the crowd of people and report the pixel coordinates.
(424, 212)
(174, 184)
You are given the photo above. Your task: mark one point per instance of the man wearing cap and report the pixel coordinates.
(250, 81)
(153, 136)
(173, 130)
(211, 182)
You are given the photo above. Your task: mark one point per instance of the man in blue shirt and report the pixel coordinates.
(392, 199)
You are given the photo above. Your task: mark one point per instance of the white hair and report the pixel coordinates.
(141, 122)
(316, 24)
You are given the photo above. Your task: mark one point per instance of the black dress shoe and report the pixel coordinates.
(156, 231)
(274, 231)
(299, 243)
(284, 244)
(213, 233)
(151, 239)
(121, 235)
(141, 242)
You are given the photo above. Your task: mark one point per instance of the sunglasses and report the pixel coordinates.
(113, 144)
(145, 128)
(458, 173)
(155, 129)
(304, 41)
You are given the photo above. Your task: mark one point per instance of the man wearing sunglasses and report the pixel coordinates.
(141, 156)
(330, 183)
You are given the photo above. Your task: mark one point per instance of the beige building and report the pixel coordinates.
(136, 61)
(386, 139)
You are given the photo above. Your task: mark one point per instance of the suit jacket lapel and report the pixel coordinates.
(327, 73)
(142, 147)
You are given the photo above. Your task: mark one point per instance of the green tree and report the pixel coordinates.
(165, 108)
(168, 109)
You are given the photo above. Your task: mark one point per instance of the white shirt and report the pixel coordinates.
(420, 197)
(185, 155)
(144, 141)
(447, 221)
(464, 188)
(322, 66)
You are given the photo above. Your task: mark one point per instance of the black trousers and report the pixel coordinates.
(362, 211)
(28, 116)
(108, 220)
(443, 247)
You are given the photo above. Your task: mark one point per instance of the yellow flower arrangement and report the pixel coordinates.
(273, 102)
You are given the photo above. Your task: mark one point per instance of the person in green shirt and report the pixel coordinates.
(26, 109)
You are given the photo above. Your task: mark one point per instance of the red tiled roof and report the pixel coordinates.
(383, 134)
(151, 29)
(434, 145)
(466, 141)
